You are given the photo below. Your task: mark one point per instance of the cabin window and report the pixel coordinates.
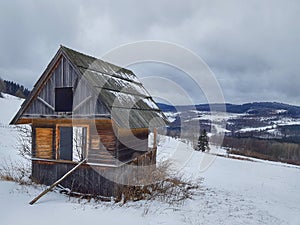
(72, 143)
(63, 99)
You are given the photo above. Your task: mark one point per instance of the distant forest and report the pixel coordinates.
(13, 88)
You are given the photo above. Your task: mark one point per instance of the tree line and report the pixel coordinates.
(12, 88)
(269, 149)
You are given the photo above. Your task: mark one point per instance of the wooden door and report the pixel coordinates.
(66, 143)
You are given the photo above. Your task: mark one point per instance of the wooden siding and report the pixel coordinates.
(106, 144)
(64, 75)
(91, 179)
(66, 121)
(103, 143)
(85, 179)
(107, 135)
(44, 143)
(132, 143)
(146, 159)
(41, 129)
(117, 144)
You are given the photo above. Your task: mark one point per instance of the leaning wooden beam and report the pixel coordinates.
(82, 102)
(45, 103)
(56, 183)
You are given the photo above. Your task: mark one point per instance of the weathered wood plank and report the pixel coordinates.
(46, 103)
(63, 75)
(44, 143)
(56, 183)
(136, 132)
(82, 103)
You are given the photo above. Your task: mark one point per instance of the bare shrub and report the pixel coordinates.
(168, 187)
(19, 171)
(24, 141)
(15, 171)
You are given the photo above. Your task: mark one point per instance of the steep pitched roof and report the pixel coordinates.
(117, 88)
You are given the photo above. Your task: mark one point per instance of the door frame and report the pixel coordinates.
(57, 137)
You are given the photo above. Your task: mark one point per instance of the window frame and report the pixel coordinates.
(57, 137)
(61, 104)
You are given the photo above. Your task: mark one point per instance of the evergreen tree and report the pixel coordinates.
(2, 87)
(19, 93)
(202, 141)
(15, 89)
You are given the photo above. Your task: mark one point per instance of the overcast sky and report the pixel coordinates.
(252, 47)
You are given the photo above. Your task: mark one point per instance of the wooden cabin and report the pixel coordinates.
(84, 108)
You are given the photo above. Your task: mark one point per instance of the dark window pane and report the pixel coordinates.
(65, 143)
(63, 99)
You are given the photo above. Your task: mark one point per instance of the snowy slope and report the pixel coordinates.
(9, 105)
(233, 192)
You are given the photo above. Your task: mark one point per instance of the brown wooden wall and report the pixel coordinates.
(44, 143)
(45, 136)
(132, 143)
(107, 143)
(116, 143)
(102, 142)
(146, 159)
(107, 135)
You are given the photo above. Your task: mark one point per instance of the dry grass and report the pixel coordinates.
(168, 187)
(24, 141)
(15, 171)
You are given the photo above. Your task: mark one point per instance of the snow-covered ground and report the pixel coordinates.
(171, 116)
(233, 191)
(9, 105)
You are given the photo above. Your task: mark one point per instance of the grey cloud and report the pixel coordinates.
(31, 33)
(251, 46)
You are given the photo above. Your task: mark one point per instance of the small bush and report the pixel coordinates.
(24, 141)
(15, 171)
(169, 187)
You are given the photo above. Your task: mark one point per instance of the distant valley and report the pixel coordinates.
(267, 130)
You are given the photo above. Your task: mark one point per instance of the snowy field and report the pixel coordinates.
(233, 191)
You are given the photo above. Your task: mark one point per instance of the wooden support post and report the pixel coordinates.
(57, 182)
(154, 138)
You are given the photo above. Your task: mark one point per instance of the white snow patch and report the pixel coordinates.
(249, 129)
(216, 116)
(9, 107)
(219, 129)
(171, 116)
(280, 111)
(150, 103)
